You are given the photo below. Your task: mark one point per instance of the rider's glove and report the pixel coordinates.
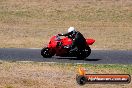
(59, 34)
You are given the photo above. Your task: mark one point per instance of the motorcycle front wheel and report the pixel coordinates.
(45, 53)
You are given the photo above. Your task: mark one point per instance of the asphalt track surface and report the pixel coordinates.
(96, 57)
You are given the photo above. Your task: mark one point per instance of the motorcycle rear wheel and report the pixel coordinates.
(84, 53)
(88, 51)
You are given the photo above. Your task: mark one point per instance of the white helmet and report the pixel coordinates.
(71, 29)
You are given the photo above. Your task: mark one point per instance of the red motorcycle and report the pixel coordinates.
(60, 47)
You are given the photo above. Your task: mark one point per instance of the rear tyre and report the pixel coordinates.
(88, 51)
(81, 55)
(45, 53)
(84, 53)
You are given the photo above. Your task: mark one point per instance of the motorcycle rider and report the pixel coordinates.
(78, 40)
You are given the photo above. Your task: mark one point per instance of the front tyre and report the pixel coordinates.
(45, 53)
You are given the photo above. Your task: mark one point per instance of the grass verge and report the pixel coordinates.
(54, 75)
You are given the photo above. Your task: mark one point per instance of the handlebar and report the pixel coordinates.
(57, 38)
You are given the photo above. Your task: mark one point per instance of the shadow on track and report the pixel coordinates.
(74, 58)
(92, 59)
